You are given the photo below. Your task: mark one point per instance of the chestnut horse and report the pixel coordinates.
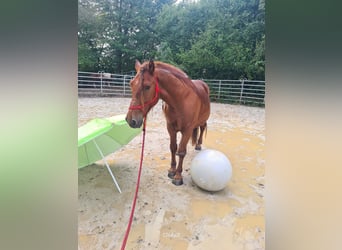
(186, 106)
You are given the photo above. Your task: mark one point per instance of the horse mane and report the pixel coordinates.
(174, 70)
(178, 73)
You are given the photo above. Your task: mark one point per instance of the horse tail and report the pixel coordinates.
(194, 136)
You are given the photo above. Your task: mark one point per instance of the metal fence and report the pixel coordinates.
(103, 84)
(243, 91)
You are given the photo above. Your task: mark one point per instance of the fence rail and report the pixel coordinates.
(243, 91)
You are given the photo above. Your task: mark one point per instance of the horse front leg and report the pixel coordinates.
(173, 150)
(178, 179)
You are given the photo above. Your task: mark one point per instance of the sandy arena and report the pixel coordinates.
(169, 216)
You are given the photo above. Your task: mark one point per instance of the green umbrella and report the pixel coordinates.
(100, 137)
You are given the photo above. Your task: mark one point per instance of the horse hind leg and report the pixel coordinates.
(200, 139)
(195, 139)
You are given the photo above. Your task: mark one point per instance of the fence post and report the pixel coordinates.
(101, 80)
(219, 90)
(124, 93)
(242, 82)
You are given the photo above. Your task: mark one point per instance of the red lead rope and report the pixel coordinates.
(136, 189)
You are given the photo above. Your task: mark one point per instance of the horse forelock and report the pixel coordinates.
(137, 82)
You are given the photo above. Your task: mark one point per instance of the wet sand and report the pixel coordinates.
(168, 216)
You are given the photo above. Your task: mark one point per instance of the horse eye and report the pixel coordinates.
(147, 87)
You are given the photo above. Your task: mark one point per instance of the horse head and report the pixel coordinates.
(145, 93)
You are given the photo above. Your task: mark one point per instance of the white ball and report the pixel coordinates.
(211, 170)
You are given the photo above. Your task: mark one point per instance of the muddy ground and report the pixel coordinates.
(169, 216)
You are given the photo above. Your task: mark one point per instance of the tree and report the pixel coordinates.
(215, 39)
(207, 38)
(90, 42)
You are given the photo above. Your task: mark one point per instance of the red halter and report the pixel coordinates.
(153, 101)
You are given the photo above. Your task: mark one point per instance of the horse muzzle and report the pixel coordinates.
(134, 122)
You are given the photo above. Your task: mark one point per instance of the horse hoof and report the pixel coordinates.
(171, 175)
(198, 147)
(177, 182)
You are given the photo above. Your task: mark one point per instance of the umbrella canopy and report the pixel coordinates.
(100, 137)
(110, 134)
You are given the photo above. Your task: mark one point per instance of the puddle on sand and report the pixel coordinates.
(245, 204)
(136, 236)
(246, 154)
(202, 208)
(250, 221)
(175, 234)
(204, 224)
(230, 219)
(216, 237)
(85, 240)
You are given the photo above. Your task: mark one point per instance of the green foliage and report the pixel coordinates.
(208, 39)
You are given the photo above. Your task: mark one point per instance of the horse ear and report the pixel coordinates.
(137, 65)
(151, 67)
